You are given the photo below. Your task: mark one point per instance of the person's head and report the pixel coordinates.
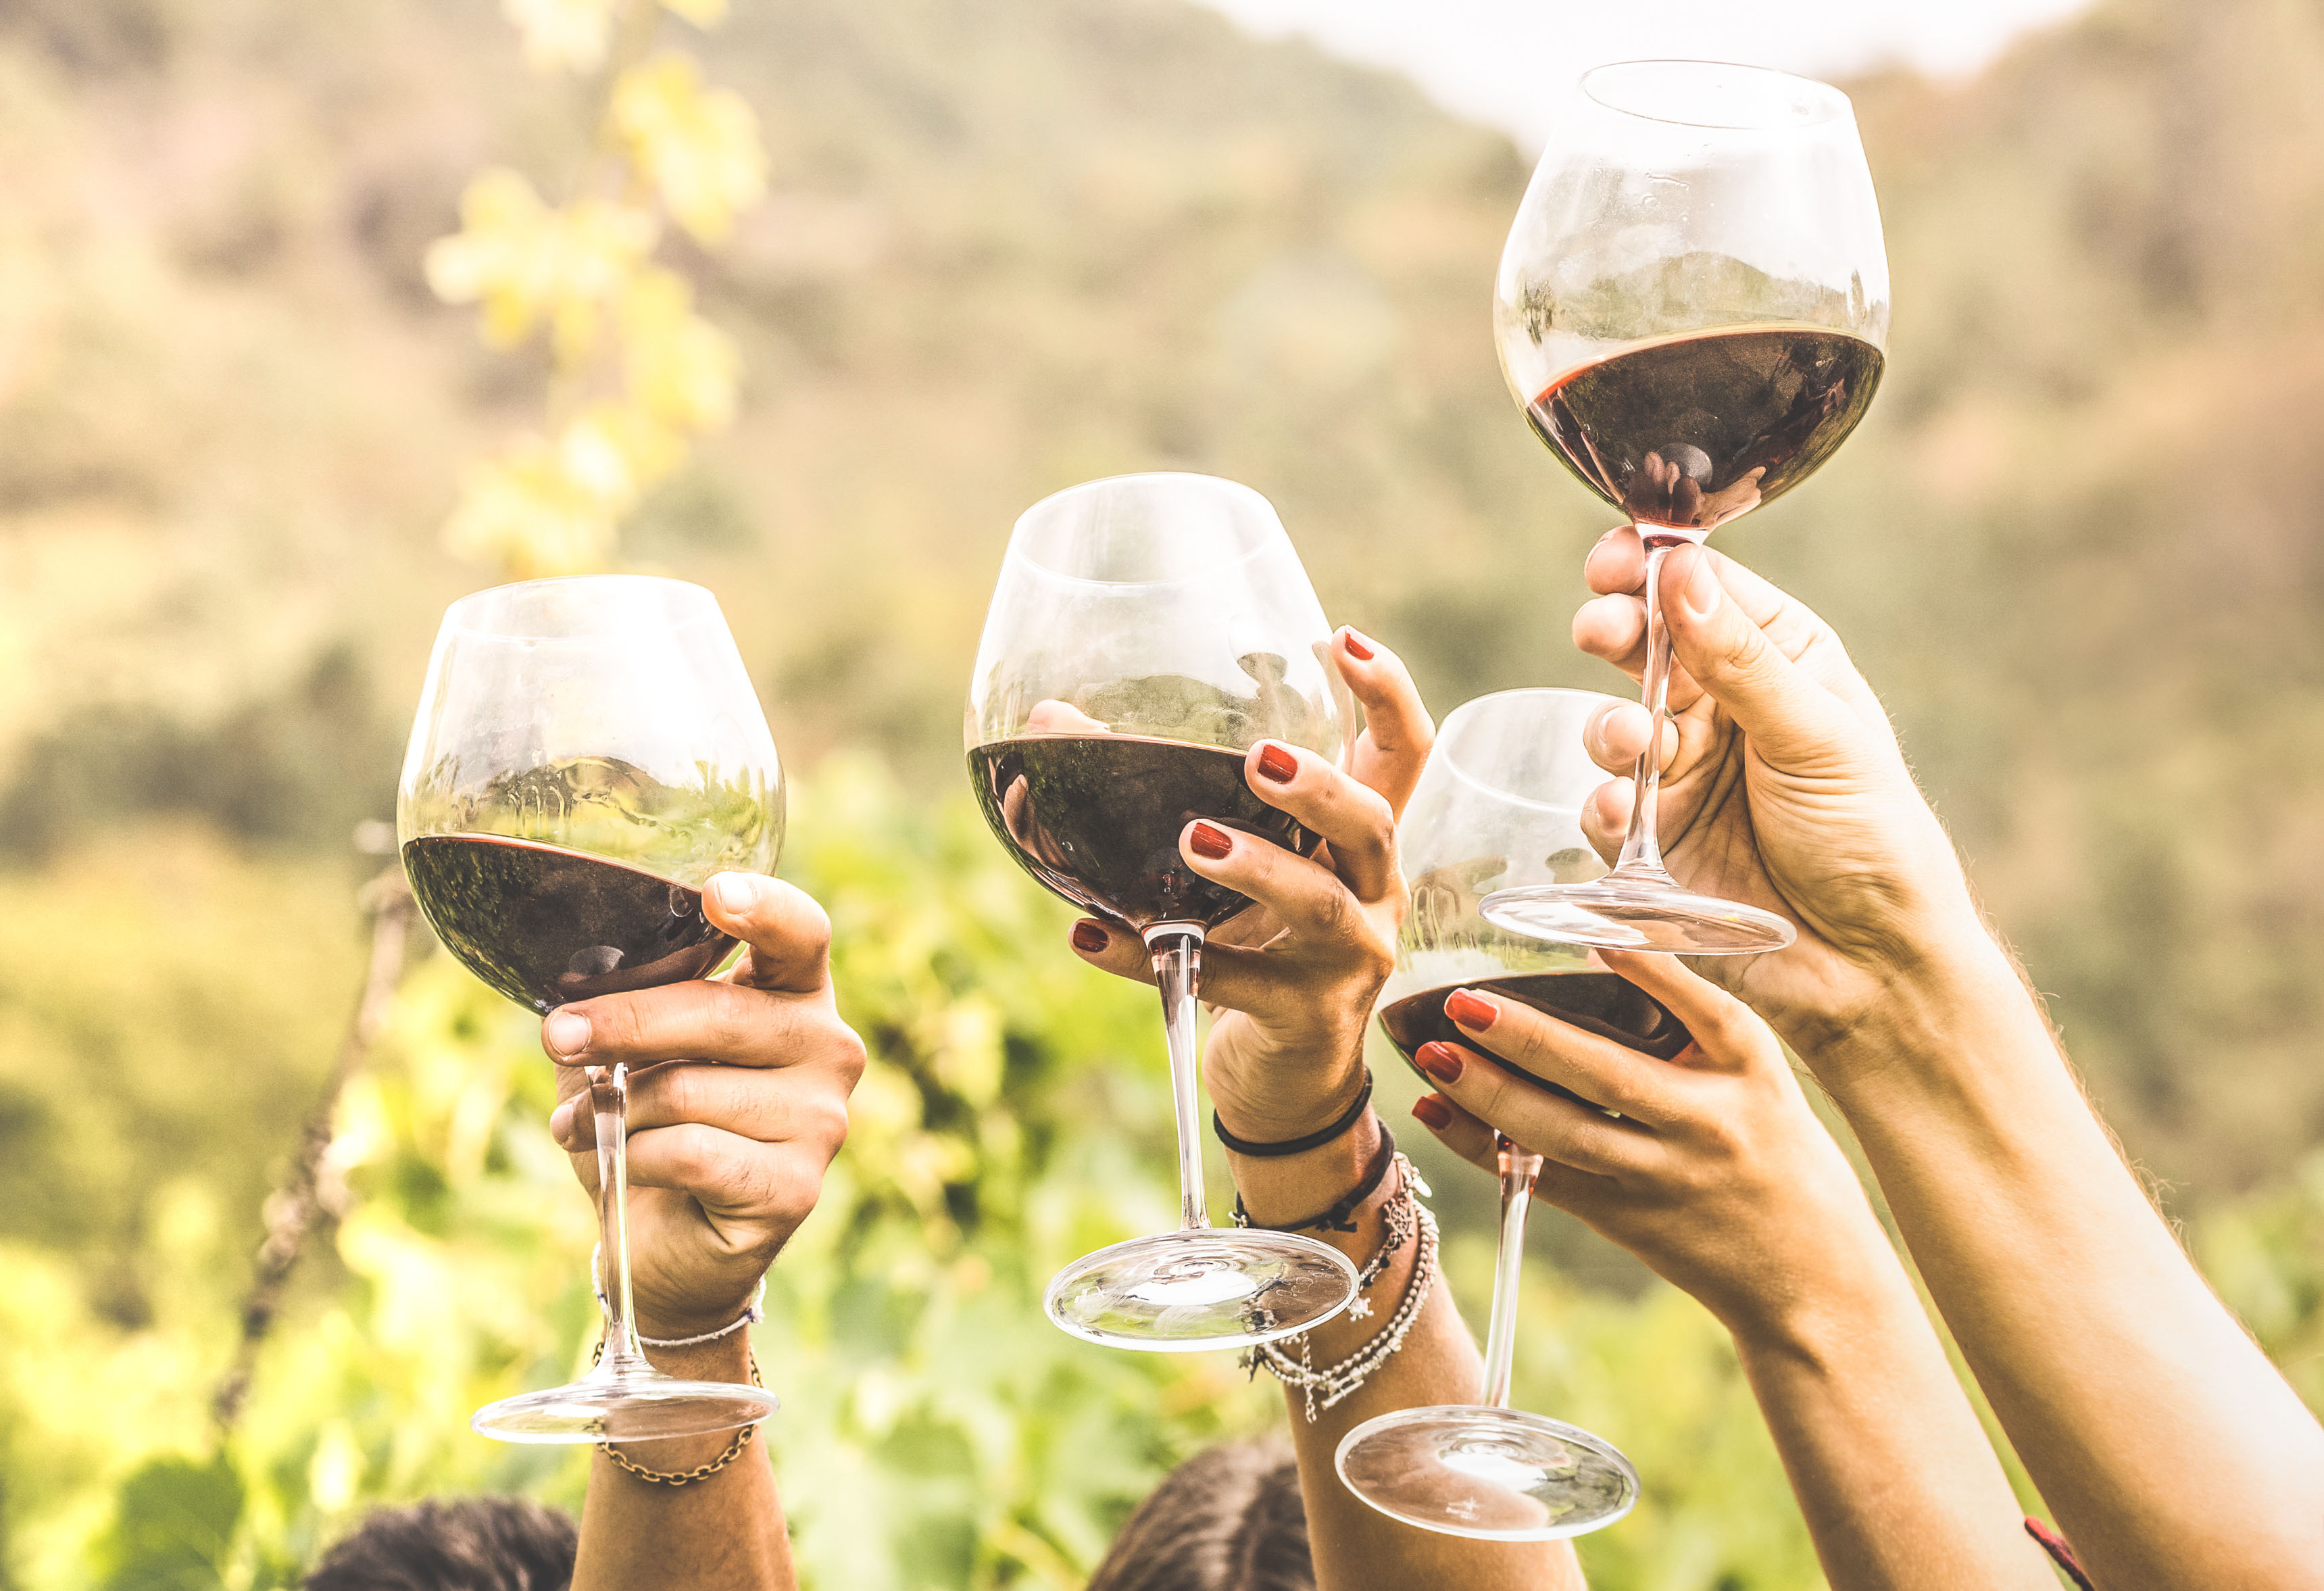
(1227, 1520)
(472, 1544)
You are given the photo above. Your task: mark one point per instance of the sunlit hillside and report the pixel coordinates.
(1019, 242)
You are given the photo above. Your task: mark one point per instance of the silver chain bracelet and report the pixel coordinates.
(1408, 1220)
(750, 1317)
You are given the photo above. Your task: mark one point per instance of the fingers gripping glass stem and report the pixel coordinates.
(1642, 853)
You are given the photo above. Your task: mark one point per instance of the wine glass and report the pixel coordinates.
(1500, 804)
(1692, 309)
(587, 754)
(1146, 632)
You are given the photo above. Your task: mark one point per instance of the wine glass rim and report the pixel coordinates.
(1233, 488)
(1835, 104)
(455, 619)
(1444, 738)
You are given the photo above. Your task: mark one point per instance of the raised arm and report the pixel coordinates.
(728, 1145)
(1294, 982)
(1718, 1175)
(2171, 1450)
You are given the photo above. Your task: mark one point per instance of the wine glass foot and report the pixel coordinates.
(1496, 1474)
(633, 1408)
(1180, 1292)
(1621, 914)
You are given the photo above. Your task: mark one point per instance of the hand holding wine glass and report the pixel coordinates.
(1784, 786)
(1291, 980)
(1718, 1175)
(1692, 309)
(741, 1105)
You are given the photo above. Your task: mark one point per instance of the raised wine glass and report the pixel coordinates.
(1499, 805)
(587, 754)
(1146, 632)
(1691, 309)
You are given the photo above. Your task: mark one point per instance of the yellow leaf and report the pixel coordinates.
(527, 262)
(699, 146)
(682, 370)
(562, 35)
(526, 513)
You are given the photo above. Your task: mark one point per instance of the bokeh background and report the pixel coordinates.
(1005, 246)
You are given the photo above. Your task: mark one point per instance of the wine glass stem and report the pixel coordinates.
(609, 1103)
(1177, 950)
(1517, 1169)
(1641, 852)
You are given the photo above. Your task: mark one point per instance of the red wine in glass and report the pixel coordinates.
(545, 926)
(1096, 818)
(1687, 433)
(1597, 1002)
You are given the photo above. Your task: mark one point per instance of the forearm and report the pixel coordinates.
(724, 1532)
(1355, 1548)
(2172, 1452)
(1899, 1485)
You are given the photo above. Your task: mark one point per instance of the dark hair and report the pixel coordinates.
(1227, 1520)
(471, 1544)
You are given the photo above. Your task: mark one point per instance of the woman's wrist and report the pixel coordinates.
(1291, 1103)
(1278, 1189)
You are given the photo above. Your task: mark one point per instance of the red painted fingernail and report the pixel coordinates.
(1431, 1112)
(1278, 765)
(1470, 1012)
(1209, 844)
(1090, 939)
(1356, 648)
(1440, 1061)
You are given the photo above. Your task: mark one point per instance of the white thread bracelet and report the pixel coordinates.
(750, 1317)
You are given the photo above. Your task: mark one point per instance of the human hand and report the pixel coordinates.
(1716, 1173)
(1293, 978)
(728, 1142)
(1782, 787)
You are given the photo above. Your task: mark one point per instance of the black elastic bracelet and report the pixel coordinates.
(1341, 1216)
(1298, 1145)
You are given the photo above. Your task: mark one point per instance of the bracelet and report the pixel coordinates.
(1408, 1220)
(1341, 1215)
(700, 1472)
(1298, 1145)
(750, 1317)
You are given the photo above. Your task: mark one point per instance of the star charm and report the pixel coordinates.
(1360, 1310)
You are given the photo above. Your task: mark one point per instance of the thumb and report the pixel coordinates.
(1788, 717)
(788, 935)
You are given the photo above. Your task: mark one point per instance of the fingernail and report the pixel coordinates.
(1356, 647)
(1278, 764)
(1470, 1012)
(566, 1032)
(560, 1122)
(1440, 1061)
(1702, 595)
(735, 892)
(1209, 844)
(1431, 1112)
(1088, 938)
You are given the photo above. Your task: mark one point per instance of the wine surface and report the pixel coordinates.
(1598, 1002)
(1688, 432)
(545, 926)
(1096, 818)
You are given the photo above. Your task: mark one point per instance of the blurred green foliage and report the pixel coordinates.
(1009, 245)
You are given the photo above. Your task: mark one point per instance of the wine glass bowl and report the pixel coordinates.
(1692, 311)
(587, 752)
(1146, 632)
(1498, 805)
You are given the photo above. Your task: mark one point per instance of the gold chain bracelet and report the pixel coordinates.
(700, 1472)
